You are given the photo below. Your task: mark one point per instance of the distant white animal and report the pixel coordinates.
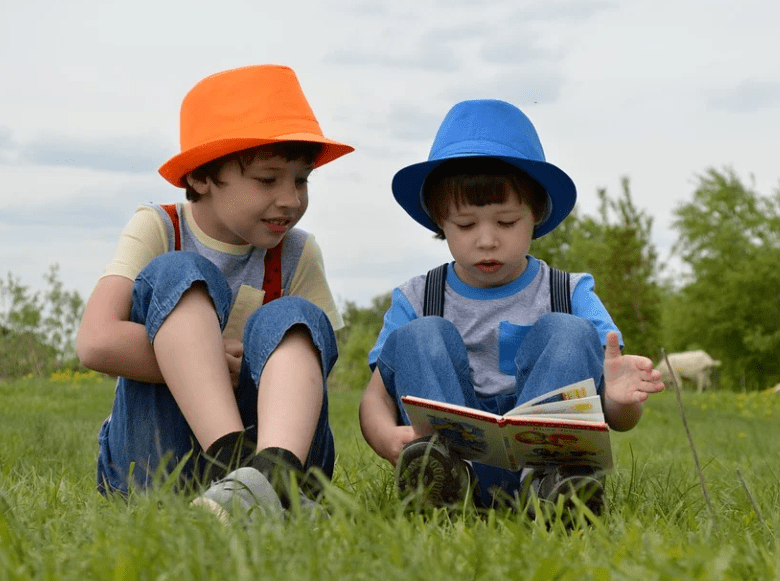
(694, 365)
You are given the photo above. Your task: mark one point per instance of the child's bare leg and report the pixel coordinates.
(191, 357)
(289, 395)
(292, 345)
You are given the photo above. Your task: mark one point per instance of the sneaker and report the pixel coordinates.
(245, 492)
(427, 464)
(568, 482)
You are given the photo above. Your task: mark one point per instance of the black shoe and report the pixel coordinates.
(427, 465)
(566, 482)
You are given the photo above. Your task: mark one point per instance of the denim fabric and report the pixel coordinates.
(427, 358)
(146, 431)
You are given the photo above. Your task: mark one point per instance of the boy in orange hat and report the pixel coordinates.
(215, 313)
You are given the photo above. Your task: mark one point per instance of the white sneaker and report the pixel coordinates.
(245, 492)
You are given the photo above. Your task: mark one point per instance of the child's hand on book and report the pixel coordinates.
(628, 381)
(398, 437)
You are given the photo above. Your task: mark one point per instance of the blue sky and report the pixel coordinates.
(91, 91)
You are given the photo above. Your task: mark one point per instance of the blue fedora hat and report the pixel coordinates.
(488, 128)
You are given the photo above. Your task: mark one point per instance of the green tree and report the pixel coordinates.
(616, 248)
(729, 236)
(37, 329)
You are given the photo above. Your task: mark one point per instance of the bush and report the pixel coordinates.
(23, 354)
(37, 329)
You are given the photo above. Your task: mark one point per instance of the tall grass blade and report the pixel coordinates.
(690, 441)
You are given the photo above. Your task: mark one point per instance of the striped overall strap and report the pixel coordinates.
(173, 213)
(560, 291)
(272, 282)
(433, 299)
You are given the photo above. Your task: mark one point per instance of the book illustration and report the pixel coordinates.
(463, 435)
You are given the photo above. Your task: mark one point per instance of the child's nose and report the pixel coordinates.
(486, 238)
(289, 196)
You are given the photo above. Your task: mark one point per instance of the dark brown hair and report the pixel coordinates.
(288, 150)
(479, 181)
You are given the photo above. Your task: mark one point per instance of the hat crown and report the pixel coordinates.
(242, 108)
(246, 102)
(486, 127)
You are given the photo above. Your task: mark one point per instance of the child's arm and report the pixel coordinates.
(379, 424)
(108, 342)
(628, 380)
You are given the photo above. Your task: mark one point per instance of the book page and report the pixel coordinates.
(597, 418)
(581, 389)
(573, 408)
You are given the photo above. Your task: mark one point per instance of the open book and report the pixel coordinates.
(568, 431)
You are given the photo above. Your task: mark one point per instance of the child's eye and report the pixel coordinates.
(507, 224)
(266, 181)
(464, 226)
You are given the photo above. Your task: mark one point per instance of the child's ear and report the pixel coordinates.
(200, 186)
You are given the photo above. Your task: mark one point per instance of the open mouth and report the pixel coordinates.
(277, 224)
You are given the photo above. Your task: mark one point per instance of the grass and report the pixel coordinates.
(54, 525)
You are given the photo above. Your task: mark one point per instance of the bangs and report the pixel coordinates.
(479, 182)
(306, 151)
(287, 150)
(466, 190)
(479, 190)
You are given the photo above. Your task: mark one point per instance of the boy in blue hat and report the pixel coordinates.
(510, 327)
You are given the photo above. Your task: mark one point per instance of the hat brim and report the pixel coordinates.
(561, 192)
(176, 169)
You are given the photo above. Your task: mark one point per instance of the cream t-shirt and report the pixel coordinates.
(149, 233)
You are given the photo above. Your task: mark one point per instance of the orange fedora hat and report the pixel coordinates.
(243, 108)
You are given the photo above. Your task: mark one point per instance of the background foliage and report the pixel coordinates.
(37, 329)
(729, 236)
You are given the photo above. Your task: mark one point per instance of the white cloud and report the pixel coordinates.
(655, 91)
(120, 153)
(747, 96)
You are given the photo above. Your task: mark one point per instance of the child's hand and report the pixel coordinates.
(234, 351)
(628, 381)
(399, 437)
(628, 378)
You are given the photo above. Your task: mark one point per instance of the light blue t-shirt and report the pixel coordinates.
(494, 321)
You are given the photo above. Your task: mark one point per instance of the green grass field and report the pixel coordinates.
(54, 525)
